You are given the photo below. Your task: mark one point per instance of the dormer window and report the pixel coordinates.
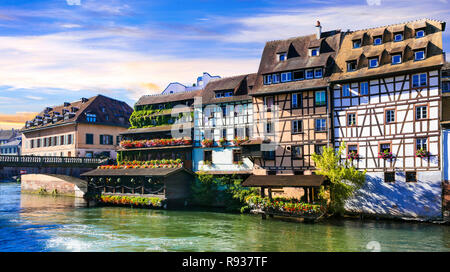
(267, 79)
(309, 74)
(377, 40)
(396, 59)
(299, 75)
(314, 51)
(282, 56)
(420, 33)
(373, 62)
(90, 117)
(276, 78)
(419, 55)
(356, 43)
(218, 95)
(228, 94)
(285, 77)
(318, 73)
(398, 37)
(351, 66)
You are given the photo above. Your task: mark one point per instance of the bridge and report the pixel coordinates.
(49, 161)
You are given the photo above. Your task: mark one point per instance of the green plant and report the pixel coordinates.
(344, 178)
(42, 191)
(54, 192)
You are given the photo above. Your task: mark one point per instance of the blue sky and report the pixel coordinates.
(61, 50)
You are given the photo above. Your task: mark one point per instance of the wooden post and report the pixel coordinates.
(263, 194)
(270, 197)
(312, 193)
(307, 194)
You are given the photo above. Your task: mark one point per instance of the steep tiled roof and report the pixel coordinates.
(164, 98)
(432, 43)
(118, 112)
(7, 134)
(297, 50)
(239, 85)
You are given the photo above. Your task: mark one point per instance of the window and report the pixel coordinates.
(224, 133)
(282, 56)
(351, 119)
(237, 156)
(318, 73)
(103, 109)
(267, 80)
(419, 55)
(269, 155)
(297, 126)
(276, 78)
(377, 40)
(419, 80)
(373, 62)
(352, 149)
(296, 100)
(351, 66)
(385, 148)
(89, 138)
(396, 59)
(118, 139)
(398, 37)
(32, 143)
(106, 140)
(356, 43)
(389, 176)
(421, 112)
(61, 140)
(319, 149)
(364, 88)
(207, 156)
(299, 75)
(446, 86)
(268, 102)
(420, 33)
(228, 94)
(345, 90)
(224, 111)
(69, 139)
(309, 73)
(321, 125)
(314, 51)
(268, 126)
(421, 144)
(390, 116)
(90, 117)
(218, 95)
(411, 177)
(297, 152)
(320, 98)
(285, 77)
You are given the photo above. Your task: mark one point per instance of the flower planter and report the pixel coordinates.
(385, 155)
(422, 153)
(353, 156)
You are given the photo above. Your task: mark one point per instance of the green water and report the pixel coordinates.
(46, 223)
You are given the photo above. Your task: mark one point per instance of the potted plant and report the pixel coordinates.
(207, 162)
(222, 141)
(386, 154)
(239, 140)
(353, 155)
(421, 153)
(207, 143)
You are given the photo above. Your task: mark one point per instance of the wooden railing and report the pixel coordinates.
(49, 161)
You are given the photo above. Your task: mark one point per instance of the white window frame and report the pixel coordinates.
(312, 50)
(361, 88)
(275, 78)
(286, 76)
(284, 55)
(396, 35)
(420, 31)
(419, 51)
(306, 74)
(370, 63)
(267, 79)
(396, 55)
(321, 72)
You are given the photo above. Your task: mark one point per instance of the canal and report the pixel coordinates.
(46, 223)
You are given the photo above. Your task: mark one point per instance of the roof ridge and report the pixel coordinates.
(407, 22)
(163, 94)
(280, 40)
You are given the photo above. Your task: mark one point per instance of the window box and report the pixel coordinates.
(222, 142)
(207, 143)
(386, 154)
(353, 155)
(422, 153)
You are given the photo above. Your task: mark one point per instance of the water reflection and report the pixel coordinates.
(46, 223)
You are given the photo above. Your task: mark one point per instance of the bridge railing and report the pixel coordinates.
(48, 160)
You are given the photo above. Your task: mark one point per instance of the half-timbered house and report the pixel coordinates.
(291, 105)
(223, 120)
(386, 106)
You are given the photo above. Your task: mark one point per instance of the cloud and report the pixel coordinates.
(373, 2)
(34, 97)
(73, 2)
(69, 60)
(17, 120)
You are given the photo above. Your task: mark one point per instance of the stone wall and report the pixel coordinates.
(64, 185)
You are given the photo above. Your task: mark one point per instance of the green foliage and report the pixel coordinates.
(149, 117)
(42, 191)
(344, 178)
(209, 190)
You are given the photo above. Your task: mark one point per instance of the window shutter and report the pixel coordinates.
(101, 139)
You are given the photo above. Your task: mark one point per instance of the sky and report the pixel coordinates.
(53, 51)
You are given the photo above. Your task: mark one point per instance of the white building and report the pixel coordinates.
(176, 87)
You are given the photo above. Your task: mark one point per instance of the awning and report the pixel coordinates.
(132, 172)
(284, 181)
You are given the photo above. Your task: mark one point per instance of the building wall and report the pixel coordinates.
(446, 154)
(283, 137)
(96, 147)
(236, 125)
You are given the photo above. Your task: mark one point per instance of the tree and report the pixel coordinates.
(344, 178)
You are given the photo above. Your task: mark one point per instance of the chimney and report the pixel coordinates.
(318, 30)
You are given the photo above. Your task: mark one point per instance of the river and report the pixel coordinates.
(46, 223)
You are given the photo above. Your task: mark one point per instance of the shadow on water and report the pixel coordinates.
(46, 223)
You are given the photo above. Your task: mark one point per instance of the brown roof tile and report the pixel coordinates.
(164, 98)
(239, 85)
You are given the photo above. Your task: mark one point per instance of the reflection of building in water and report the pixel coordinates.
(48, 207)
